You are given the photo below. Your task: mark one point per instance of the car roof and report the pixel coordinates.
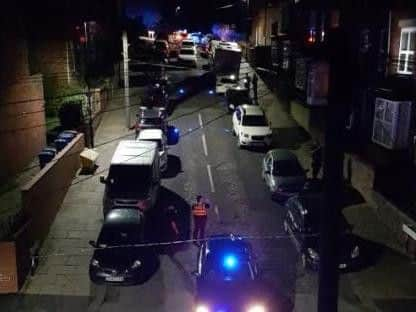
(252, 110)
(153, 134)
(129, 152)
(124, 216)
(282, 154)
(219, 244)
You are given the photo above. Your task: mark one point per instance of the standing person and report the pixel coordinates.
(172, 233)
(255, 82)
(247, 83)
(316, 160)
(200, 214)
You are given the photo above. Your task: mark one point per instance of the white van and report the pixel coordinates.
(156, 135)
(133, 178)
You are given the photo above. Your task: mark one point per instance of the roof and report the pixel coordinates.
(134, 153)
(252, 110)
(150, 134)
(282, 154)
(124, 216)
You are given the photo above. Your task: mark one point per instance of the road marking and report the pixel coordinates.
(200, 121)
(204, 144)
(211, 181)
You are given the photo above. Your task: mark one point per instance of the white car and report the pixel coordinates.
(225, 82)
(187, 56)
(156, 135)
(188, 44)
(251, 127)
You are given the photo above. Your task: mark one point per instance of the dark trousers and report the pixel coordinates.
(199, 227)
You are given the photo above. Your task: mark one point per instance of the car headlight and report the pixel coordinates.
(257, 308)
(244, 135)
(95, 263)
(202, 308)
(356, 252)
(136, 264)
(232, 77)
(313, 254)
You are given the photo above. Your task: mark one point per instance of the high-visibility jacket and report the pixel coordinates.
(199, 210)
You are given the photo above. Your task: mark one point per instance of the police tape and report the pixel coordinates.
(88, 251)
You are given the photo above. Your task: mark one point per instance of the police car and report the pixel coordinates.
(228, 278)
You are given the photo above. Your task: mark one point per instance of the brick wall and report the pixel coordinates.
(43, 195)
(22, 121)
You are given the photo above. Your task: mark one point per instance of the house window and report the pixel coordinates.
(407, 50)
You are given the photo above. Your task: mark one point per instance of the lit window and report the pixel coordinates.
(407, 50)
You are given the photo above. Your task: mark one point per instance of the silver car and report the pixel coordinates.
(283, 174)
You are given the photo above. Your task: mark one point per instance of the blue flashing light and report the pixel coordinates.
(230, 262)
(176, 131)
(181, 91)
(211, 91)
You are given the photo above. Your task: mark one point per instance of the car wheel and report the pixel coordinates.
(239, 145)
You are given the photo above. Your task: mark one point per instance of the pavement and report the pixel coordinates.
(206, 161)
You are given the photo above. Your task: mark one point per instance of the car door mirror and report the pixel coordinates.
(103, 180)
(93, 243)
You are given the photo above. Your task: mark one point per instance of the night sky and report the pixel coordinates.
(195, 15)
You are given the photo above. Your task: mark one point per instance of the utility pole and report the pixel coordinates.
(87, 81)
(340, 78)
(126, 77)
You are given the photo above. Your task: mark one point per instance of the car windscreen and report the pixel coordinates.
(287, 168)
(131, 179)
(227, 80)
(159, 142)
(254, 121)
(187, 52)
(151, 121)
(187, 44)
(112, 235)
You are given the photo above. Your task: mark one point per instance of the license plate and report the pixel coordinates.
(114, 279)
(342, 266)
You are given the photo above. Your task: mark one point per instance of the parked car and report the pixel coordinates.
(227, 277)
(236, 96)
(115, 260)
(224, 82)
(187, 56)
(188, 44)
(133, 178)
(283, 174)
(152, 118)
(158, 136)
(251, 127)
(302, 222)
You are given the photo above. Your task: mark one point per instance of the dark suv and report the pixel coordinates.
(117, 259)
(302, 222)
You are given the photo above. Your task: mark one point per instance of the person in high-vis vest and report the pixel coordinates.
(200, 214)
